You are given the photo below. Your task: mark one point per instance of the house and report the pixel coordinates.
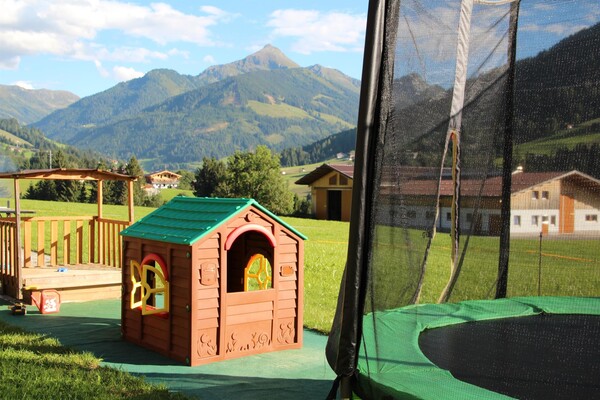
(207, 279)
(548, 202)
(331, 191)
(163, 179)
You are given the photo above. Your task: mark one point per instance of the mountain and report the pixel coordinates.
(412, 89)
(28, 106)
(553, 128)
(176, 119)
(267, 59)
(321, 150)
(280, 108)
(119, 102)
(24, 147)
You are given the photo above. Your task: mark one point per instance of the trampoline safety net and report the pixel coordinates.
(476, 198)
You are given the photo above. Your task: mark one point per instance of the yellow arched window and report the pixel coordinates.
(258, 274)
(150, 285)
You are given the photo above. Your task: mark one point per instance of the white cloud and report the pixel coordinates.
(9, 62)
(209, 59)
(24, 85)
(103, 72)
(318, 31)
(69, 28)
(126, 73)
(559, 29)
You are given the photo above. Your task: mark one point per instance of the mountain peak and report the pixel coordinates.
(271, 58)
(266, 59)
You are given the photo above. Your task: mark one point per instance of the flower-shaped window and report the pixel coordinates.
(150, 285)
(258, 274)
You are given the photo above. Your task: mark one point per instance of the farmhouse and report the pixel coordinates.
(549, 202)
(163, 179)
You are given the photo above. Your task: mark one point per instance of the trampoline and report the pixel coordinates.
(473, 265)
(525, 348)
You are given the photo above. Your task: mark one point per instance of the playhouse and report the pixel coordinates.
(206, 279)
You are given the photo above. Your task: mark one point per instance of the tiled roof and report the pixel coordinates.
(492, 187)
(184, 220)
(321, 171)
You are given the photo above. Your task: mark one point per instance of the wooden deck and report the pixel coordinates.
(74, 283)
(33, 249)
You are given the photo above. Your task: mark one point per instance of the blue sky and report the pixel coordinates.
(87, 46)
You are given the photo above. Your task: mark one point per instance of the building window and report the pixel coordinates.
(258, 274)
(517, 220)
(535, 220)
(591, 217)
(333, 180)
(343, 180)
(150, 286)
(448, 216)
(553, 220)
(545, 195)
(411, 214)
(535, 195)
(469, 217)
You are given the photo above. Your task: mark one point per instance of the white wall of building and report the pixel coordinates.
(587, 220)
(531, 221)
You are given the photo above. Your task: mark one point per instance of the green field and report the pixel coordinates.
(586, 133)
(568, 266)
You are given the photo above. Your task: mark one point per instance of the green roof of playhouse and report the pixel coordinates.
(184, 220)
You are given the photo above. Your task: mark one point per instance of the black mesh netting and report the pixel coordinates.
(477, 177)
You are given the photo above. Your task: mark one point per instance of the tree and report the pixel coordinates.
(133, 168)
(257, 175)
(187, 179)
(209, 176)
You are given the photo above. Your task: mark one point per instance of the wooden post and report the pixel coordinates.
(130, 200)
(100, 236)
(17, 246)
(99, 195)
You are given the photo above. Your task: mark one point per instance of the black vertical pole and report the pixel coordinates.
(540, 266)
(502, 282)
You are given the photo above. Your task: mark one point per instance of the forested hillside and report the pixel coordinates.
(120, 102)
(321, 150)
(173, 121)
(28, 106)
(556, 128)
(28, 148)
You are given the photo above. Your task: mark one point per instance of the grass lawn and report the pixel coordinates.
(34, 366)
(566, 267)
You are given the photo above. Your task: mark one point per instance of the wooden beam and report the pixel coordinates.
(99, 223)
(99, 195)
(17, 246)
(130, 200)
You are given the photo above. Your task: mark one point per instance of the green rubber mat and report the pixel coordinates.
(95, 327)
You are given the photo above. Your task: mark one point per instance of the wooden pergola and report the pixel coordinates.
(61, 174)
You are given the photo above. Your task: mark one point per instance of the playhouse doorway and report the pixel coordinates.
(251, 294)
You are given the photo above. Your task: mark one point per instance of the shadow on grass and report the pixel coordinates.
(287, 374)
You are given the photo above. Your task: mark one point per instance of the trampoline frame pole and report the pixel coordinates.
(540, 266)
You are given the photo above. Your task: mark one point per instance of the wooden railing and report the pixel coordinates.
(8, 274)
(59, 241)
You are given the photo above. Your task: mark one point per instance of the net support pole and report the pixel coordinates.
(504, 251)
(453, 136)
